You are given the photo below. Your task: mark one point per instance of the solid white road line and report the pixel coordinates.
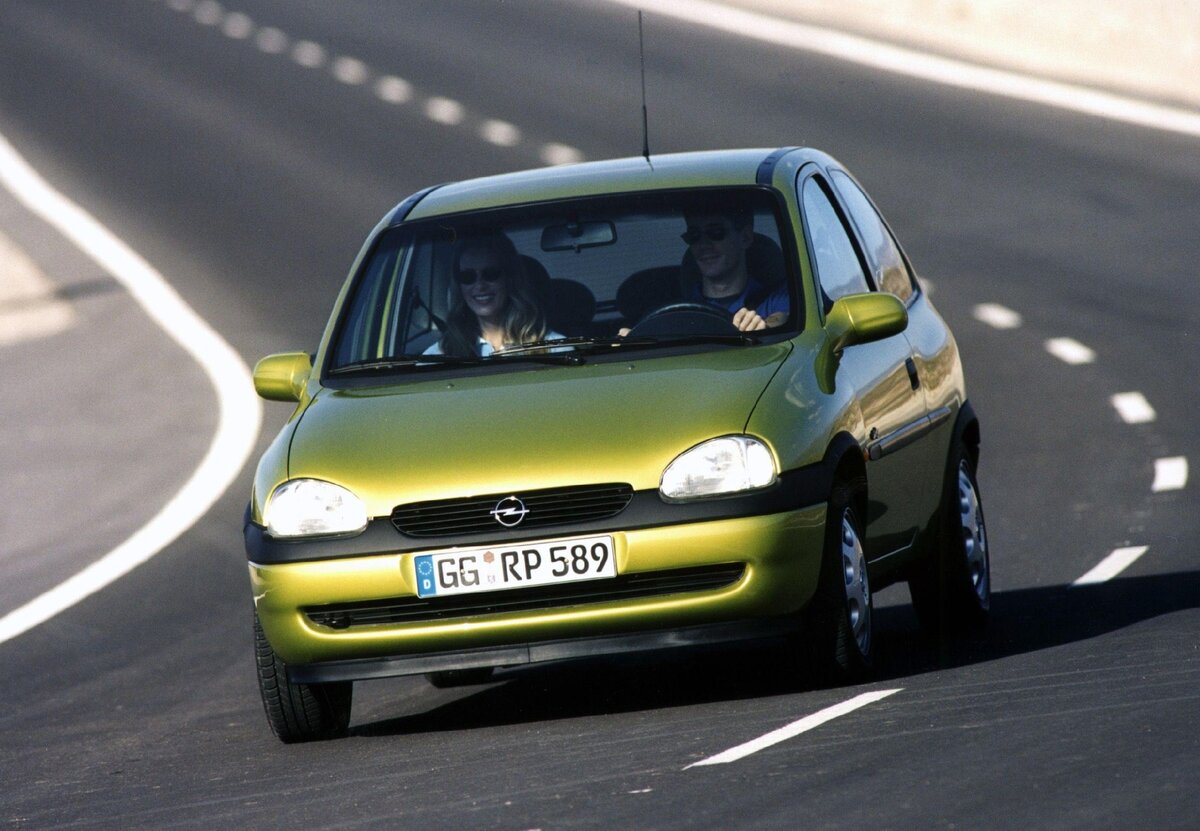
(1070, 351)
(1133, 408)
(1170, 474)
(794, 729)
(997, 316)
(239, 410)
(1112, 565)
(913, 64)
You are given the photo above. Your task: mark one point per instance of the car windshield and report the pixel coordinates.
(571, 280)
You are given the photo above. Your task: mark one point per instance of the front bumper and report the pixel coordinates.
(779, 555)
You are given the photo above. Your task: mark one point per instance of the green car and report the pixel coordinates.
(612, 407)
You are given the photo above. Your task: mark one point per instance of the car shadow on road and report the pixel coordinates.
(1022, 621)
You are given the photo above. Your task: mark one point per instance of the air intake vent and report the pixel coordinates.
(478, 514)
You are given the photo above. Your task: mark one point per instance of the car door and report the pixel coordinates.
(934, 353)
(880, 374)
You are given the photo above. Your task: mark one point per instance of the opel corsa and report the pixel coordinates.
(609, 407)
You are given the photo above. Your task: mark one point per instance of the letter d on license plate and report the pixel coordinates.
(515, 566)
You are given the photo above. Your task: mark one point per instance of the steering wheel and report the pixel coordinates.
(684, 318)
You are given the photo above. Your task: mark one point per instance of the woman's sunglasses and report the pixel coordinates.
(490, 274)
(714, 233)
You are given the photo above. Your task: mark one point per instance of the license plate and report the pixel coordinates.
(519, 566)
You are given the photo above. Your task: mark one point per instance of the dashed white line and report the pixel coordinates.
(393, 90)
(350, 71)
(997, 316)
(794, 729)
(1133, 408)
(1170, 474)
(556, 154)
(237, 26)
(239, 410)
(271, 41)
(500, 133)
(1070, 351)
(308, 54)
(444, 110)
(208, 13)
(1112, 565)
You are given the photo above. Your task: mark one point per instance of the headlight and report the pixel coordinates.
(717, 467)
(308, 507)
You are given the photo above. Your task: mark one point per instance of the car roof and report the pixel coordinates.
(712, 168)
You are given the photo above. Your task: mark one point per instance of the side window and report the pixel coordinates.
(887, 265)
(839, 271)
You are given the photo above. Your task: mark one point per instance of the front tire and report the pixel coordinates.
(299, 712)
(840, 616)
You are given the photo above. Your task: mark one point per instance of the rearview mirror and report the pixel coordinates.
(576, 235)
(282, 377)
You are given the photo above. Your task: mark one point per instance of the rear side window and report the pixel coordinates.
(883, 255)
(839, 270)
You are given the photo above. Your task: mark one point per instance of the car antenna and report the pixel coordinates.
(645, 117)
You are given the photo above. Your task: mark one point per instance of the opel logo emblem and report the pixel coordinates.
(509, 511)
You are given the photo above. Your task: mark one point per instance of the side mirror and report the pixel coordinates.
(855, 319)
(282, 377)
(864, 318)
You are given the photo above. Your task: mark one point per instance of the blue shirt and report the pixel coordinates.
(775, 301)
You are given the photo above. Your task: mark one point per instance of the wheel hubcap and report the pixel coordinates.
(858, 589)
(974, 535)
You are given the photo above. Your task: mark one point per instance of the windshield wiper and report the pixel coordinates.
(738, 338)
(413, 361)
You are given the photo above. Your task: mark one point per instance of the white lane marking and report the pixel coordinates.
(794, 729)
(1170, 474)
(237, 26)
(444, 110)
(997, 316)
(555, 154)
(239, 412)
(208, 13)
(29, 307)
(271, 41)
(393, 90)
(308, 54)
(500, 133)
(1112, 565)
(1133, 408)
(913, 64)
(1070, 351)
(350, 71)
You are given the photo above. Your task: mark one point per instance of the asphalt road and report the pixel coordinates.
(249, 178)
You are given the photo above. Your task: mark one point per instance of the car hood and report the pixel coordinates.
(534, 427)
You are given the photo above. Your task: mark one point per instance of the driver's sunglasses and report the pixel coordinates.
(714, 233)
(469, 276)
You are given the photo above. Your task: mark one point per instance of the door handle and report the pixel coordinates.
(913, 378)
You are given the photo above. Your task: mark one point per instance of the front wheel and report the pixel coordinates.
(299, 712)
(952, 591)
(839, 620)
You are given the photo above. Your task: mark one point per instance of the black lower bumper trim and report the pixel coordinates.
(532, 653)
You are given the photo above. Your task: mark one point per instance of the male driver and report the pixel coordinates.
(718, 239)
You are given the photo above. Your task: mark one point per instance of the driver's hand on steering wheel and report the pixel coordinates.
(748, 320)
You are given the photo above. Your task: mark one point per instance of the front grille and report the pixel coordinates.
(623, 587)
(473, 515)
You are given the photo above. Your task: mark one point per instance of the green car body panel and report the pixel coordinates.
(817, 398)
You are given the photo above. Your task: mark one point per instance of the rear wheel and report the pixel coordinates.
(953, 589)
(839, 621)
(299, 712)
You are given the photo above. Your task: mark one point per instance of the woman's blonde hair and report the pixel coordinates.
(524, 319)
